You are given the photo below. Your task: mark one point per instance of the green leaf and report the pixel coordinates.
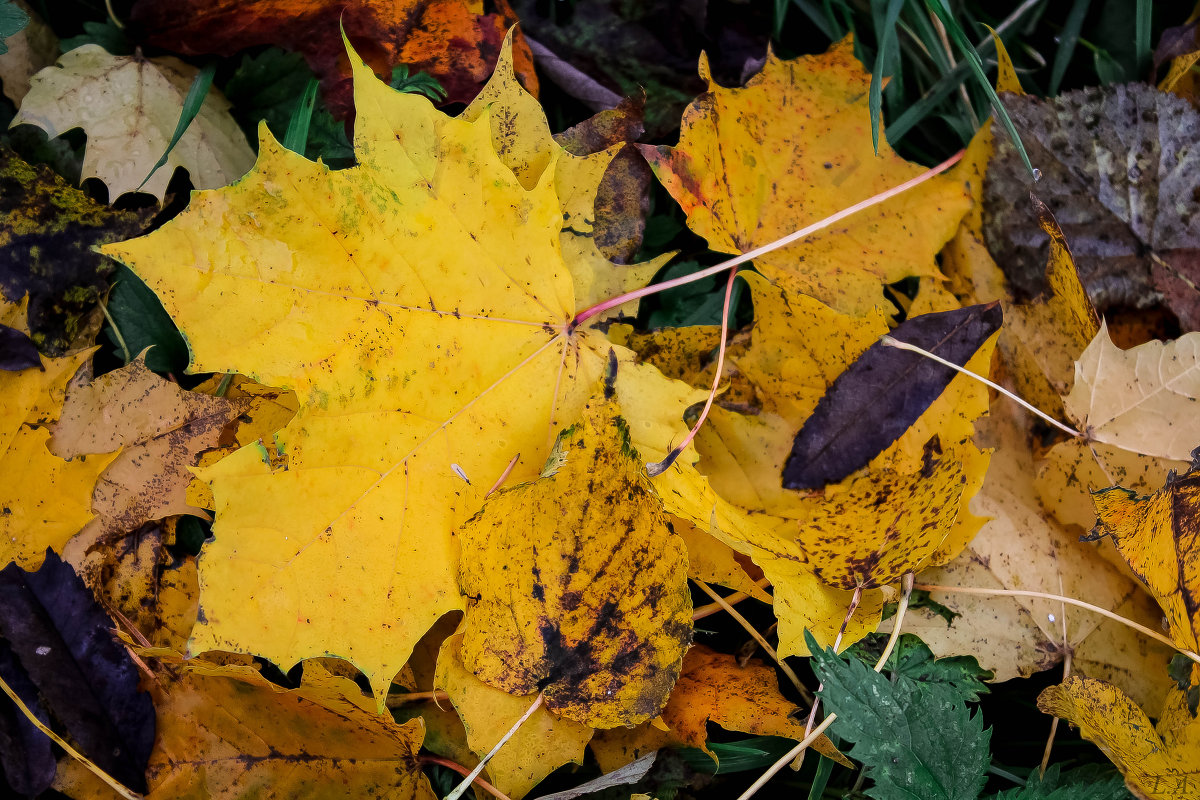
(12, 21)
(421, 83)
(296, 137)
(1086, 783)
(142, 322)
(914, 660)
(917, 740)
(191, 107)
(887, 41)
(106, 34)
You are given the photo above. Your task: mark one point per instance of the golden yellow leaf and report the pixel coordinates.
(414, 303)
(46, 499)
(226, 732)
(1058, 327)
(576, 585)
(159, 429)
(1158, 762)
(789, 148)
(522, 139)
(1143, 399)
(1020, 547)
(1157, 536)
(129, 107)
(542, 744)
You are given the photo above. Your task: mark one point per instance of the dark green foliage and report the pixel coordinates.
(914, 660)
(915, 739)
(1080, 784)
(12, 21)
(142, 322)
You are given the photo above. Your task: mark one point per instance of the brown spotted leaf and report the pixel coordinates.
(576, 585)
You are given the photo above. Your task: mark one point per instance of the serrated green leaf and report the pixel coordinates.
(913, 659)
(142, 322)
(12, 21)
(1079, 784)
(917, 740)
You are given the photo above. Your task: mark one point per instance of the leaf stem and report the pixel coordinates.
(457, 792)
(116, 785)
(758, 637)
(662, 466)
(731, 600)
(461, 770)
(934, 587)
(888, 341)
(875, 200)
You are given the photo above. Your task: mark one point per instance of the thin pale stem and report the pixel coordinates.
(458, 791)
(731, 600)
(504, 475)
(889, 341)
(837, 643)
(882, 197)
(662, 466)
(934, 587)
(758, 637)
(897, 621)
(113, 783)
(461, 770)
(116, 332)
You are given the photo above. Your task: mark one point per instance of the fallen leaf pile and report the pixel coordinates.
(434, 478)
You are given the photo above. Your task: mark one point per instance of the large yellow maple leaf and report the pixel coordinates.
(420, 307)
(789, 148)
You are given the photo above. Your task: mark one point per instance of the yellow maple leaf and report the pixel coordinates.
(1157, 536)
(47, 498)
(419, 306)
(789, 148)
(1159, 762)
(576, 585)
(93, 90)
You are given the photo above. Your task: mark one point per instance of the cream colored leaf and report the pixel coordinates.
(1143, 399)
(129, 107)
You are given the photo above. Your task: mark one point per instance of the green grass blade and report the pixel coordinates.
(1141, 37)
(1067, 40)
(191, 107)
(887, 40)
(975, 63)
(296, 136)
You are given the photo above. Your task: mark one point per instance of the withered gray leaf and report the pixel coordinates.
(1121, 172)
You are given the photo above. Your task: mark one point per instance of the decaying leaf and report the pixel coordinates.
(46, 499)
(789, 148)
(542, 744)
(89, 684)
(129, 107)
(1119, 169)
(1144, 399)
(1020, 547)
(159, 429)
(586, 601)
(47, 231)
(1157, 536)
(452, 40)
(1160, 761)
(713, 687)
(226, 732)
